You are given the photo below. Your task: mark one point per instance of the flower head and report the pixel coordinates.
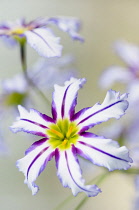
(39, 35)
(129, 53)
(126, 131)
(65, 136)
(58, 70)
(14, 91)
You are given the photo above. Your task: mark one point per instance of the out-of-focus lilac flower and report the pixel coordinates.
(39, 35)
(127, 130)
(69, 25)
(65, 136)
(129, 53)
(44, 74)
(14, 91)
(47, 72)
(15, 84)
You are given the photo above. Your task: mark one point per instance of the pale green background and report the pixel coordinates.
(103, 22)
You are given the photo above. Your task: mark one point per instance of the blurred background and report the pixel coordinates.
(103, 22)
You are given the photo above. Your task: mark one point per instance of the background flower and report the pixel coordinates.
(39, 35)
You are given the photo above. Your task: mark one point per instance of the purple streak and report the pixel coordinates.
(107, 107)
(66, 157)
(99, 150)
(63, 102)
(54, 112)
(35, 144)
(34, 160)
(35, 123)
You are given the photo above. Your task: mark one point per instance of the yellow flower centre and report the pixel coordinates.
(62, 134)
(17, 31)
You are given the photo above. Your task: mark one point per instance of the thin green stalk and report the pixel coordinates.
(132, 171)
(24, 68)
(23, 57)
(63, 202)
(102, 177)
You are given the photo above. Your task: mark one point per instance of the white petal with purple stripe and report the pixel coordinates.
(103, 152)
(31, 122)
(69, 173)
(64, 98)
(44, 42)
(113, 106)
(34, 163)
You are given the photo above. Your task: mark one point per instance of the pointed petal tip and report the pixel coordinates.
(93, 190)
(32, 186)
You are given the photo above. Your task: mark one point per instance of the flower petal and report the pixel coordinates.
(69, 25)
(64, 98)
(44, 42)
(113, 106)
(16, 84)
(69, 173)
(114, 74)
(58, 70)
(103, 152)
(32, 122)
(35, 162)
(128, 52)
(133, 88)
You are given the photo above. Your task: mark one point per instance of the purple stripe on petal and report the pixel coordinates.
(54, 112)
(45, 162)
(99, 150)
(89, 135)
(43, 40)
(107, 107)
(78, 114)
(72, 109)
(87, 127)
(57, 155)
(47, 118)
(40, 125)
(35, 133)
(40, 153)
(63, 102)
(44, 116)
(66, 157)
(38, 133)
(74, 151)
(35, 144)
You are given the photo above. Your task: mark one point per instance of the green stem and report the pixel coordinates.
(63, 202)
(132, 171)
(23, 58)
(24, 68)
(101, 178)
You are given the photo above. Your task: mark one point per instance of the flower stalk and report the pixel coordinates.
(22, 44)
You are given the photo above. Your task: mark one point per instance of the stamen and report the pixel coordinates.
(65, 142)
(57, 133)
(69, 131)
(17, 31)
